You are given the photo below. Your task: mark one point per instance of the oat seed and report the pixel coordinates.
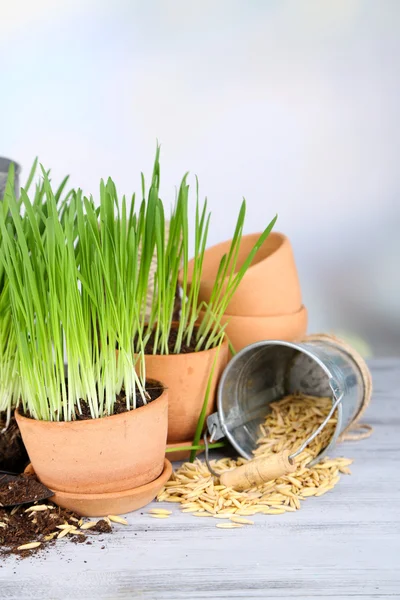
(160, 511)
(29, 546)
(117, 519)
(37, 508)
(242, 521)
(89, 525)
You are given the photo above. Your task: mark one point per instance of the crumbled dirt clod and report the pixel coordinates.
(101, 527)
(78, 539)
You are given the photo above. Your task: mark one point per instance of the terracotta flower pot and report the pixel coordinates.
(243, 331)
(97, 456)
(270, 286)
(186, 377)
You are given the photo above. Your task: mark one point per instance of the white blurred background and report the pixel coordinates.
(291, 103)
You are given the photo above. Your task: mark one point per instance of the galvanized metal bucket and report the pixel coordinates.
(266, 371)
(4, 166)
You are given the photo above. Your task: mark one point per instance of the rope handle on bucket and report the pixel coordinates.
(359, 431)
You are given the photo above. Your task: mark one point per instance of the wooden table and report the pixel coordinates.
(345, 544)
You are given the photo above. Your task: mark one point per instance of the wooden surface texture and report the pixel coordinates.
(345, 544)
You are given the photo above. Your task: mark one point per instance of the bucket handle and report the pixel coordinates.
(320, 428)
(214, 429)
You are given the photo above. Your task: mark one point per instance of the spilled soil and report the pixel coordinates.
(31, 528)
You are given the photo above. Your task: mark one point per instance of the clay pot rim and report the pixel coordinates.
(199, 353)
(156, 483)
(299, 313)
(91, 422)
(281, 237)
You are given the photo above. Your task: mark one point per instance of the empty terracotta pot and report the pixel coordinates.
(186, 377)
(97, 456)
(269, 287)
(243, 331)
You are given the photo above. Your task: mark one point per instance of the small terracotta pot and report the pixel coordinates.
(112, 503)
(243, 331)
(270, 286)
(98, 456)
(186, 377)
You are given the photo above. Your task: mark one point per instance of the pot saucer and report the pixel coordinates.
(112, 503)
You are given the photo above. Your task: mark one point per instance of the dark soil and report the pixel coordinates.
(21, 489)
(13, 456)
(177, 305)
(154, 390)
(185, 348)
(20, 526)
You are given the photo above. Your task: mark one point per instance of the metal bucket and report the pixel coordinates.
(4, 166)
(267, 371)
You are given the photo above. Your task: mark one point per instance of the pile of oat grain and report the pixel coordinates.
(291, 421)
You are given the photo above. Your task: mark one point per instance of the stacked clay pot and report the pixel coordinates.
(267, 303)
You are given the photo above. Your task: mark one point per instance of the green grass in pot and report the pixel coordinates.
(69, 275)
(172, 268)
(9, 380)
